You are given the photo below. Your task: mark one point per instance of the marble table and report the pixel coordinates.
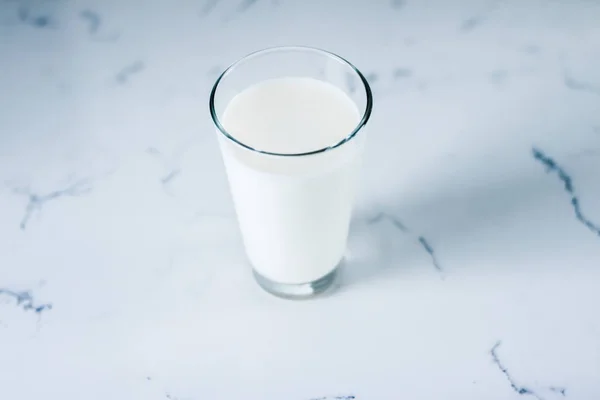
(474, 258)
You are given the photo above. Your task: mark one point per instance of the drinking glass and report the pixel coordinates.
(293, 209)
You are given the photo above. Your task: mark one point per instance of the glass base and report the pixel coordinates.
(297, 291)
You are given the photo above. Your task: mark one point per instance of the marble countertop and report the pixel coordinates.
(474, 257)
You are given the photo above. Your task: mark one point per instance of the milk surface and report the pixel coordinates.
(294, 211)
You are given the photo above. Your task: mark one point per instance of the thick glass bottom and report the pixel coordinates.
(297, 291)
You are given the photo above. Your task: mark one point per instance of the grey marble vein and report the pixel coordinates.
(36, 201)
(476, 20)
(372, 78)
(348, 397)
(552, 166)
(170, 176)
(93, 20)
(25, 301)
(402, 73)
(395, 221)
(522, 390)
(581, 86)
(560, 390)
(427, 247)
(209, 6)
(498, 76)
(398, 4)
(173, 397)
(470, 23)
(245, 5)
(123, 76)
(215, 71)
(424, 243)
(37, 21)
(153, 151)
(170, 163)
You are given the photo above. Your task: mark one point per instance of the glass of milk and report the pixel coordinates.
(290, 123)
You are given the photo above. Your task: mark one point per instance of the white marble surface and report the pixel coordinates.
(121, 269)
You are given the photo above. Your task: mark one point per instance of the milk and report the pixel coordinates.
(294, 211)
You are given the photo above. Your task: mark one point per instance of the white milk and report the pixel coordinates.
(294, 212)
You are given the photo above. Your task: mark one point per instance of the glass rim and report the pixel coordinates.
(361, 123)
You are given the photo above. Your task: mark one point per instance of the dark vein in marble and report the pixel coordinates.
(36, 202)
(470, 23)
(173, 173)
(401, 227)
(552, 166)
(39, 21)
(519, 389)
(170, 176)
(209, 6)
(499, 76)
(427, 247)
(560, 390)
(93, 20)
(215, 71)
(173, 397)
(581, 86)
(153, 151)
(245, 5)
(394, 221)
(131, 69)
(25, 301)
(372, 77)
(478, 19)
(402, 73)
(398, 4)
